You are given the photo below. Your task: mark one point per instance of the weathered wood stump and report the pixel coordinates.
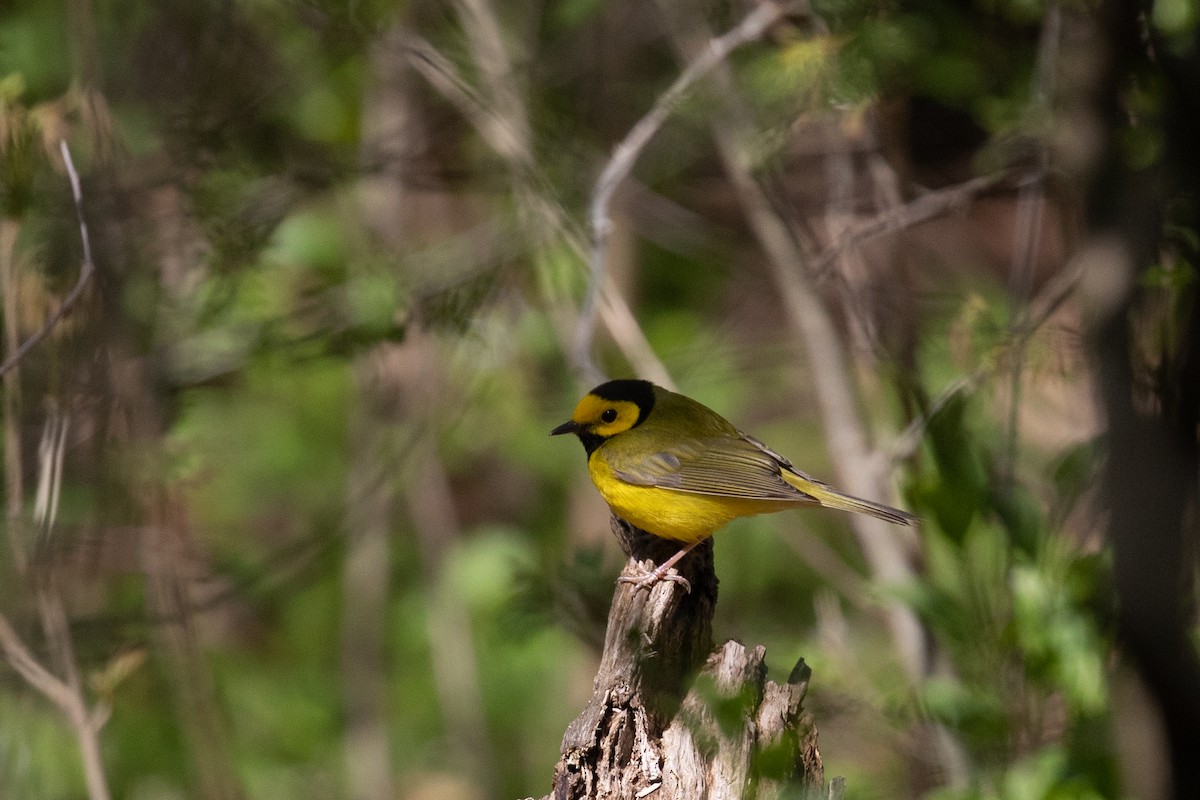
(672, 718)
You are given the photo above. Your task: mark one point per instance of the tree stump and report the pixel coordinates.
(672, 718)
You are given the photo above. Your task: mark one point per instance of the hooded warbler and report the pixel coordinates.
(679, 470)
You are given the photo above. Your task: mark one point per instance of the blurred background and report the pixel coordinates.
(282, 515)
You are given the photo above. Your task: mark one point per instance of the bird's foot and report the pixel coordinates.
(650, 577)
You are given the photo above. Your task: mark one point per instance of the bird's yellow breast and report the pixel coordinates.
(683, 516)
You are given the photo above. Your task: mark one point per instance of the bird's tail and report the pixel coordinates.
(829, 497)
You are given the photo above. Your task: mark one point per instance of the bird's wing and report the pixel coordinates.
(725, 466)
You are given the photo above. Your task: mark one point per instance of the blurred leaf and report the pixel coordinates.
(974, 710)
(1174, 275)
(572, 13)
(1177, 19)
(116, 671)
(1021, 516)
(962, 484)
(1058, 639)
(483, 569)
(311, 239)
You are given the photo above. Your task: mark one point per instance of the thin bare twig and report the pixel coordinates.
(626, 153)
(442, 75)
(27, 667)
(85, 721)
(908, 440)
(1040, 309)
(1031, 197)
(65, 692)
(366, 572)
(85, 272)
(532, 189)
(923, 208)
(512, 136)
(50, 454)
(1031, 203)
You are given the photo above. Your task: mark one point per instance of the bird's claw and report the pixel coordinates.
(647, 579)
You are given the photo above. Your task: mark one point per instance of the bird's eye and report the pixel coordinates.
(609, 415)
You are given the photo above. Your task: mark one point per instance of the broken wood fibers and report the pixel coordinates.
(672, 718)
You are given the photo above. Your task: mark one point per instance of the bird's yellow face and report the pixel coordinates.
(603, 417)
(608, 410)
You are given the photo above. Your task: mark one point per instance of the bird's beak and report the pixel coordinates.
(570, 426)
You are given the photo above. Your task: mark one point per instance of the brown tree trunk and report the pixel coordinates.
(670, 716)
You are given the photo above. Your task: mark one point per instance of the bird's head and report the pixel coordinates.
(609, 409)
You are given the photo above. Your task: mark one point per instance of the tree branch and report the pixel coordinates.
(925, 207)
(1031, 203)
(85, 272)
(27, 667)
(65, 692)
(626, 153)
(534, 196)
(1039, 310)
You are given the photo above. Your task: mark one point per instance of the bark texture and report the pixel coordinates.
(672, 717)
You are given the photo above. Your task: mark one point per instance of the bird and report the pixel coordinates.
(675, 468)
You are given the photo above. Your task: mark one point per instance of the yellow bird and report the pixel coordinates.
(681, 471)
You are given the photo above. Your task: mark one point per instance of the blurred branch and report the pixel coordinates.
(623, 326)
(191, 681)
(85, 272)
(1031, 204)
(163, 559)
(27, 667)
(416, 373)
(925, 207)
(1031, 197)
(511, 137)
(443, 75)
(908, 440)
(14, 469)
(832, 569)
(85, 722)
(50, 453)
(66, 691)
(448, 623)
(392, 122)
(365, 592)
(841, 176)
(542, 212)
(1031, 318)
(625, 156)
(837, 402)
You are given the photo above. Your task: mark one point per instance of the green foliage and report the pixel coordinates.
(20, 148)
(30, 754)
(33, 44)
(1012, 602)
(279, 442)
(1177, 19)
